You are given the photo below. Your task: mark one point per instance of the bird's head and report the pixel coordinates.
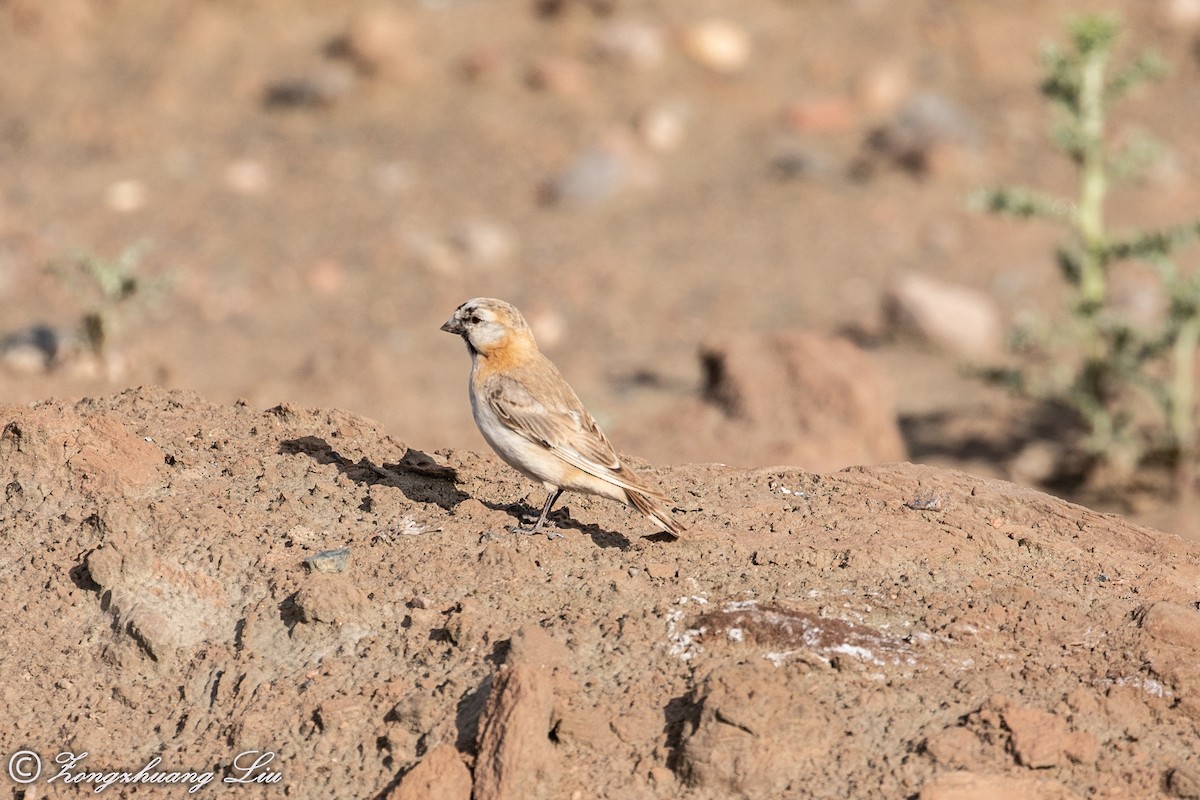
(488, 325)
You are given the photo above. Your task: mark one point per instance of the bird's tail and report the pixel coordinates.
(658, 512)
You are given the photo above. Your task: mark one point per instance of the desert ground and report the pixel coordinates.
(257, 519)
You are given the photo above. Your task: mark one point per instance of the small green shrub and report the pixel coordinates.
(1133, 388)
(111, 292)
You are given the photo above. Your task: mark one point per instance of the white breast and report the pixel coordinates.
(529, 458)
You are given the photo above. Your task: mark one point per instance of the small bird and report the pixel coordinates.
(534, 420)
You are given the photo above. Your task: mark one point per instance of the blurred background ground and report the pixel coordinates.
(322, 184)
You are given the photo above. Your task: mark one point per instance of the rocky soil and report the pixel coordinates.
(175, 588)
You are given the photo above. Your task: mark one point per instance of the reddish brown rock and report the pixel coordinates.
(755, 737)
(382, 41)
(329, 597)
(342, 713)
(1173, 624)
(587, 728)
(97, 452)
(1037, 736)
(954, 747)
(1081, 747)
(440, 775)
(816, 401)
(1129, 707)
(957, 319)
(516, 756)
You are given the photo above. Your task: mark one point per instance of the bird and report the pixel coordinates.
(535, 422)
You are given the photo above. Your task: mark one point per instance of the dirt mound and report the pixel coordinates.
(790, 397)
(895, 631)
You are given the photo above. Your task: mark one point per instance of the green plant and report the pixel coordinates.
(1134, 388)
(110, 293)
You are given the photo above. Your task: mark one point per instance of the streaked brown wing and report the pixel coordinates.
(561, 424)
(557, 420)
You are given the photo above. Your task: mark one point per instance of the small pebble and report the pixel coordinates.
(1181, 14)
(660, 128)
(125, 196)
(929, 136)
(930, 502)
(36, 348)
(719, 45)
(594, 176)
(381, 41)
(881, 90)
(562, 76)
(246, 176)
(318, 90)
(631, 43)
(792, 160)
(329, 560)
(957, 319)
(616, 163)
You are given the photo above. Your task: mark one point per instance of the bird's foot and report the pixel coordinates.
(550, 534)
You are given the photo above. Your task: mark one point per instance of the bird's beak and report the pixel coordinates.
(452, 325)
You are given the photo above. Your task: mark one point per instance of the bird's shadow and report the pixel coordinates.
(525, 515)
(421, 478)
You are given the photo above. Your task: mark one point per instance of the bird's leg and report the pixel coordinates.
(551, 499)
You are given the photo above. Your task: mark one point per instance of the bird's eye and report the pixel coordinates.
(474, 319)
